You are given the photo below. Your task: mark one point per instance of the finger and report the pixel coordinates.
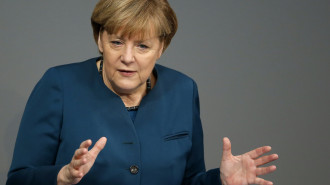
(262, 181)
(226, 149)
(259, 151)
(80, 152)
(99, 145)
(75, 173)
(265, 170)
(266, 159)
(86, 144)
(76, 164)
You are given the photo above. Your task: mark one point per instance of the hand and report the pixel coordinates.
(82, 161)
(244, 169)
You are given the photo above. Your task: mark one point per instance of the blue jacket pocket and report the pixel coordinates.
(178, 135)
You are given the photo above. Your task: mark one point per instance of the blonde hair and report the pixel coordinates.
(135, 17)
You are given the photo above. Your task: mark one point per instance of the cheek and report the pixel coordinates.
(111, 59)
(147, 64)
(109, 65)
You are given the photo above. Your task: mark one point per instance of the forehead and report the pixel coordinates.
(136, 35)
(147, 29)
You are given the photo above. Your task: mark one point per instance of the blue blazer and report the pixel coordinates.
(71, 104)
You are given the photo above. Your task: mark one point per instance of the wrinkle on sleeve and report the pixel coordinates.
(39, 134)
(195, 173)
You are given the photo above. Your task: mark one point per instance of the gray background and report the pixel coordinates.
(262, 67)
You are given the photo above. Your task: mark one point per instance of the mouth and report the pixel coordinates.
(126, 73)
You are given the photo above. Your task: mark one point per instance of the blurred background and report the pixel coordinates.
(262, 68)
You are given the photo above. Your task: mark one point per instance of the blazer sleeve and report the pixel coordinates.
(38, 136)
(195, 173)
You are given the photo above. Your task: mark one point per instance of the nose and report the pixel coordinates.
(127, 56)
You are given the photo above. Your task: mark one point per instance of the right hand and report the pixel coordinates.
(82, 161)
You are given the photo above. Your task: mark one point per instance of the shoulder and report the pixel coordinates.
(172, 76)
(77, 67)
(77, 70)
(175, 83)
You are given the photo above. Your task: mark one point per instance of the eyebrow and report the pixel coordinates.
(116, 36)
(122, 38)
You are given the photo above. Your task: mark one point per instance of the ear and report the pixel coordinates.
(99, 42)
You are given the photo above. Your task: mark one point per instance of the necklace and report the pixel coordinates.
(134, 108)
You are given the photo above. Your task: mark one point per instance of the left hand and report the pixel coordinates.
(244, 169)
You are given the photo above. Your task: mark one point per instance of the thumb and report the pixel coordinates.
(99, 145)
(226, 149)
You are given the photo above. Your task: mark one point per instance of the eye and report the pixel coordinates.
(116, 43)
(143, 46)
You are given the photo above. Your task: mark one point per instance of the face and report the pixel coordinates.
(128, 61)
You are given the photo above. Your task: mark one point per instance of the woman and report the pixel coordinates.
(148, 113)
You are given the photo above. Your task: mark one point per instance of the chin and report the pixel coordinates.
(127, 88)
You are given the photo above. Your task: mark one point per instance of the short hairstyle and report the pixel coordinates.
(135, 17)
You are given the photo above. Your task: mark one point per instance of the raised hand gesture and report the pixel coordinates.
(244, 169)
(82, 161)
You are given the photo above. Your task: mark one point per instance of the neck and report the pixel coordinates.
(132, 98)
